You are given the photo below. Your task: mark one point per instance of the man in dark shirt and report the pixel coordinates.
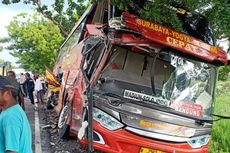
(29, 84)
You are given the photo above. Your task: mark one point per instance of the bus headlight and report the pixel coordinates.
(198, 142)
(106, 120)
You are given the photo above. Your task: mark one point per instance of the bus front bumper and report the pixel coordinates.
(123, 141)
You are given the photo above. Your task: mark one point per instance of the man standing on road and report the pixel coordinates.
(38, 89)
(29, 83)
(20, 97)
(15, 132)
(22, 79)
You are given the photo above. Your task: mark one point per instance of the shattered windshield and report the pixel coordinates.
(190, 85)
(181, 84)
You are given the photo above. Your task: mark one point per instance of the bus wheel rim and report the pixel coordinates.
(63, 117)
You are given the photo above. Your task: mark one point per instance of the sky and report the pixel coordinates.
(7, 12)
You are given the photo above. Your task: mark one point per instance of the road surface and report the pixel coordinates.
(45, 138)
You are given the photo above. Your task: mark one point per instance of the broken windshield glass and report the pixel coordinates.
(190, 85)
(180, 83)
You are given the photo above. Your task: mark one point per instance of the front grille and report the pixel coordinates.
(156, 126)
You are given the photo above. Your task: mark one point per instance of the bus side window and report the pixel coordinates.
(72, 41)
(92, 60)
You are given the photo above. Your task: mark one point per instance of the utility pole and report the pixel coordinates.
(4, 66)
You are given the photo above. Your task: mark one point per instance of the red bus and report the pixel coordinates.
(133, 86)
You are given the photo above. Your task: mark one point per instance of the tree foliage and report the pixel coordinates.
(63, 16)
(158, 11)
(223, 73)
(35, 41)
(219, 17)
(217, 11)
(3, 40)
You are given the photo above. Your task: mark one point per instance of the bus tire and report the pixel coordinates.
(64, 132)
(63, 126)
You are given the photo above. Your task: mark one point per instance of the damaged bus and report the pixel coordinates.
(133, 86)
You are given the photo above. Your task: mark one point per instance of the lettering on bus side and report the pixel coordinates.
(163, 30)
(181, 44)
(178, 38)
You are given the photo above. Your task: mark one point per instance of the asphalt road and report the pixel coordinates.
(45, 133)
(40, 137)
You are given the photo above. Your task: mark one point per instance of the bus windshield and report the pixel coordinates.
(184, 85)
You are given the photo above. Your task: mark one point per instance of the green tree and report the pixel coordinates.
(65, 13)
(158, 11)
(217, 11)
(3, 40)
(219, 17)
(62, 14)
(223, 73)
(35, 41)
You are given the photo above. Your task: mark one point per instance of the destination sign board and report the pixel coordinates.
(174, 39)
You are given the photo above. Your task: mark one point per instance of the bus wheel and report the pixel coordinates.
(64, 128)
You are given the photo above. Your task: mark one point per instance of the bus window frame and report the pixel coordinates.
(98, 52)
(84, 16)
(81, 21)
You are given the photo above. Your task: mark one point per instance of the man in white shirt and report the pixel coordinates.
(38, 89)
(22, 80)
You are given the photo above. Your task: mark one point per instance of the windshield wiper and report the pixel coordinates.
(120, 100)
(220, 117)
(112, 95)
(202, 121)
(117, 99)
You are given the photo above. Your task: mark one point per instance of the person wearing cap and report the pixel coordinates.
(20, 97)
(15, 131)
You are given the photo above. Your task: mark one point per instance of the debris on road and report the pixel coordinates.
(52, 144)
(46, 126)
(57, 144)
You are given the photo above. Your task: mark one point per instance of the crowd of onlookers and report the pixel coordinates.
(29, 87)
(15, 131)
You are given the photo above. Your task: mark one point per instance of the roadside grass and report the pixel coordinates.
(220, 142)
